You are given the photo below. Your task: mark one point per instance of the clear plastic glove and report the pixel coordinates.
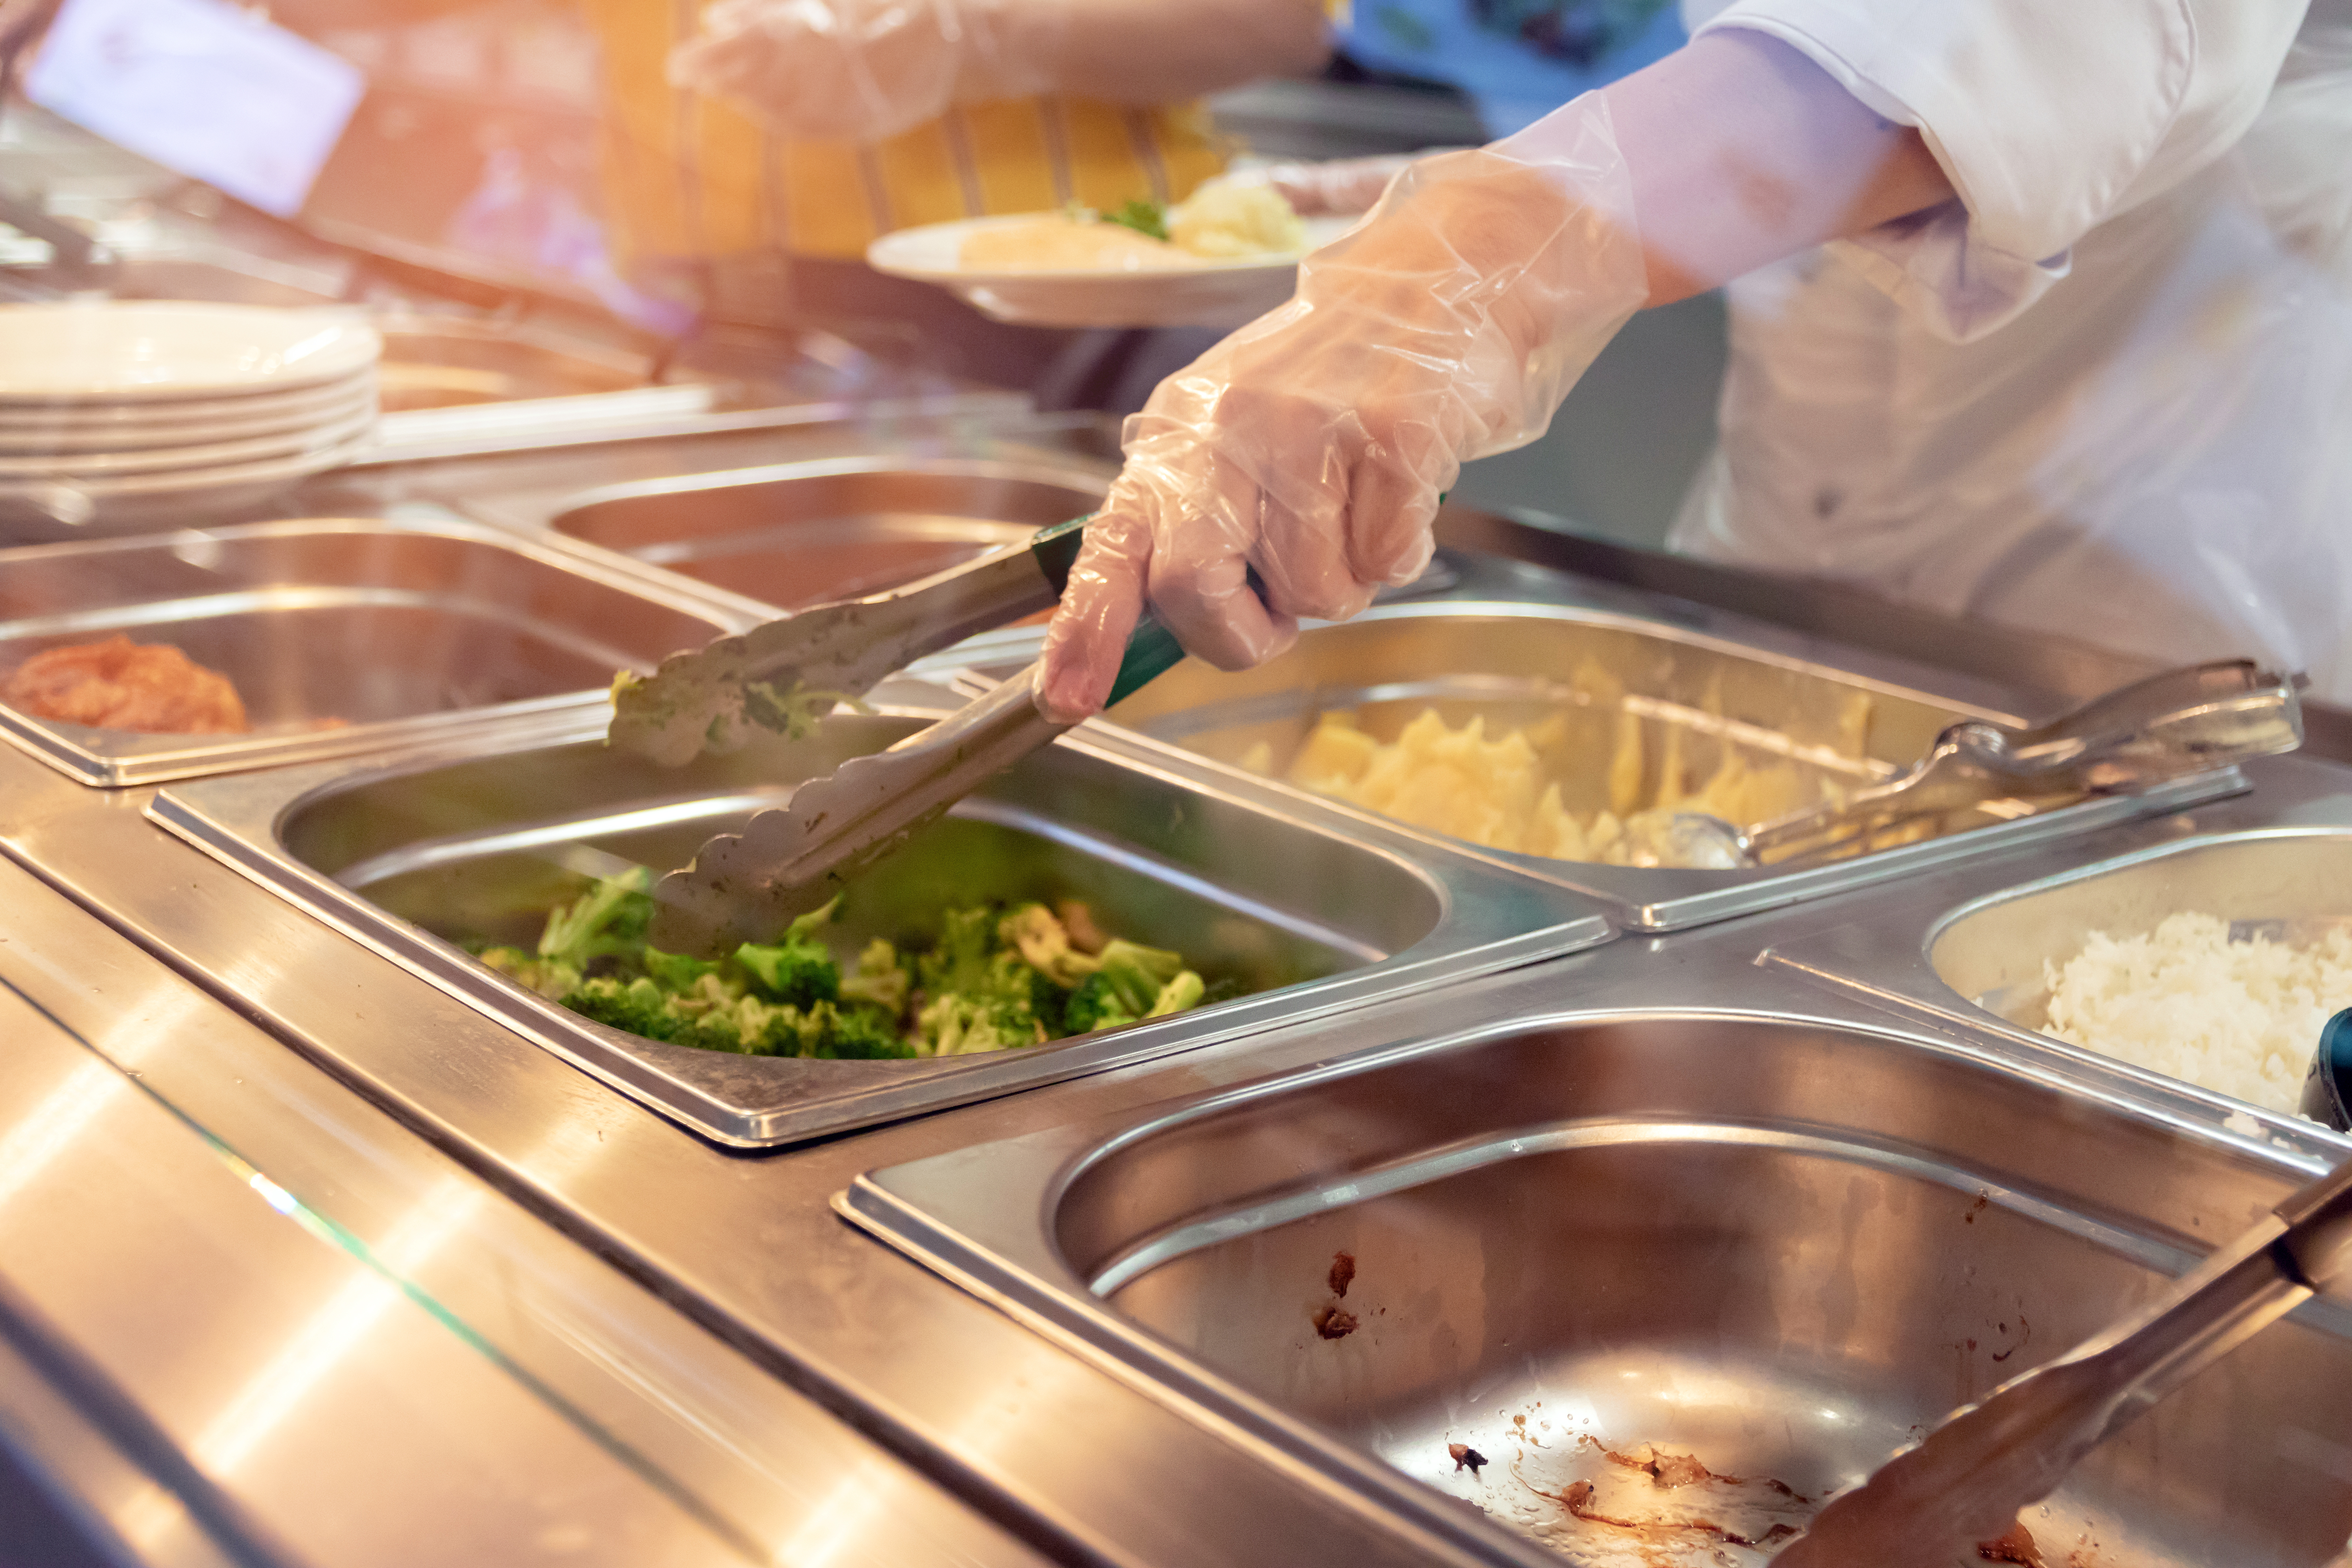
(867, 69)
(1312, 445)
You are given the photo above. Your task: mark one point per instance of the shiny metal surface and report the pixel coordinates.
(1965, 949)
(1068, 1447)
(1969, 1480)
(442, 362)
(1695, 695)
(2184, 721)
(331, 1415)
(791, 534)
(1996, 952)
(715, 697)
(1780, 1245)
(416, 858)
(791, 859)
(342, 636)
(263, 1310)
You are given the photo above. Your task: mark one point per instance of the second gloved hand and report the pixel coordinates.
(1312, 445)
(865, 69)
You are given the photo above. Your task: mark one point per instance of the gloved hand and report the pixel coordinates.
(1312, 444)
(867, 69)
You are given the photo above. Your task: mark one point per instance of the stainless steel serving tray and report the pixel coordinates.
(406, 632)
(1778, 1243)
(1277, 893)
(1515, 664)
(1963, 948)
(791, 534)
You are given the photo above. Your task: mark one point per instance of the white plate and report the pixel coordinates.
(146, 351)
(177, 480)
(165, 419)
(1206, 294)
(72, 467)
(71, 443)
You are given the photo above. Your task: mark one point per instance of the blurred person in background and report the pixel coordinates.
(2039, 313)
(756, 148)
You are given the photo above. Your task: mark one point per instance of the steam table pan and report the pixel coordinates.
(800, 533)
(344, 636)
(1309, 912)
(1969, 946)
(1693, 700)
(1455, 1276)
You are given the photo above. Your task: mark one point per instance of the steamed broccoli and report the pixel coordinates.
(638, 1006)
(880, 979)
(1045, 945)
(607, 920)
(996, 979)
(550, 979)
(1132, 982)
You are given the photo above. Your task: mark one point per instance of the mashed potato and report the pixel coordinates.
(2238, 1017)
(1497, 793)
(1224, 219)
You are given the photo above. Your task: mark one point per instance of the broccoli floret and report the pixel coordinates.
(673, 970)
(1045, 945)
(799, 973)
(880, 979)
(607, 920)
(855, 1034)
(960, 959)
(1095, 1004)
(974, 991)
(1182, 993)
(956, 1026)
(638, 1006)
(1132, 983)
(800, 970)
(550, 980)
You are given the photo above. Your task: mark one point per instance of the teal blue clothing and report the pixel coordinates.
(1517, 59)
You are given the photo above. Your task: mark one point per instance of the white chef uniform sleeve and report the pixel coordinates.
(2049, 117)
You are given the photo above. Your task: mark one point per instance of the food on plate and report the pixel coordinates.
(1231, 219)
(118, 684)
(1222, 222)
(997, 978)
(1504, 792)
(1062, 244)
(2238, 1017)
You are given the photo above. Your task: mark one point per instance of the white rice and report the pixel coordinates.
(2239, 1017)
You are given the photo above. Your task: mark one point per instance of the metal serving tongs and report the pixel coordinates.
(2188, 721)
(747, 886)
(777, 675)
(1930, 1504)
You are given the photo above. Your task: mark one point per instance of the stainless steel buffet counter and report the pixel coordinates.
(307, 1220)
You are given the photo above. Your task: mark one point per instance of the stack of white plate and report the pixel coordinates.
(134, 411)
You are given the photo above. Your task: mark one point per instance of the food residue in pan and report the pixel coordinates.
(1659, 1508)
(1651, 1507)
(1334, 1322)
(117, 684)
